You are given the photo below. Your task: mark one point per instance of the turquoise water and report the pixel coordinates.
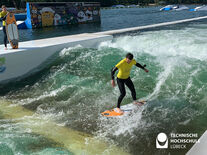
(75, 89)
(17, 140)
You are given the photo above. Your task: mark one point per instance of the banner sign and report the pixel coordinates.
(62, 13)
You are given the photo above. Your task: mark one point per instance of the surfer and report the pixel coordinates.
(123, 78)
(3, 14)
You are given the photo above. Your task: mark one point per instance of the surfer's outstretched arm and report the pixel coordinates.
(142, 67)
(113, 70)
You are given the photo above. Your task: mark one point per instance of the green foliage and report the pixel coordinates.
(104, 3)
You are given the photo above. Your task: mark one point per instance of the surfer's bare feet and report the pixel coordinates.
(118, 110)
(5, 48)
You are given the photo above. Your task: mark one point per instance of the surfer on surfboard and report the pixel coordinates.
(123, 78)
(3, 14)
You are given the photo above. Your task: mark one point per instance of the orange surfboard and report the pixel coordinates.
(126, 109)
(12, 31)
(111, 113)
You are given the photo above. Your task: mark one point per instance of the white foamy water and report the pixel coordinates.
(176, 58)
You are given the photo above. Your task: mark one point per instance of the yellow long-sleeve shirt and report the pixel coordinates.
(2, 15)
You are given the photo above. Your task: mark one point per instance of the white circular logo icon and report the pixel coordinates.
(161, 141)
(162, 137)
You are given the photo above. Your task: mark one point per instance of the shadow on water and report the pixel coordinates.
(33, 143)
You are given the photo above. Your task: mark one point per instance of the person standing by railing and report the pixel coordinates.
(3, 15)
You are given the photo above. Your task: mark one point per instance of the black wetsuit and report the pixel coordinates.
(4, 30)
(121, 84)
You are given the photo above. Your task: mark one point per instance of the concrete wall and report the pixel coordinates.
(32, 54)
